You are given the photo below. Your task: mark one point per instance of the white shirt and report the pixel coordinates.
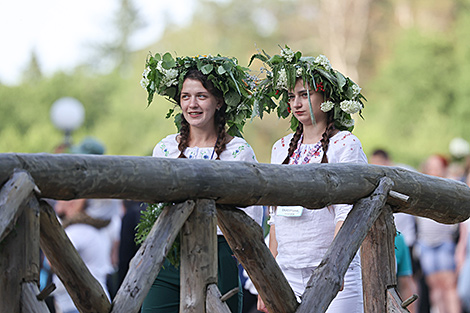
(94, 248)
(304, 240)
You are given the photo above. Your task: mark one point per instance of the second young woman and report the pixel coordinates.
(321, 101)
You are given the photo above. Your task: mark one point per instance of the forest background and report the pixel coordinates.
(411, 58)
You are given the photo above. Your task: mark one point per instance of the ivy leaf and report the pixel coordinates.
(206, 69)
(168, 61)
(232, 99)
(276, 59)
(341, 80)
(221, 70)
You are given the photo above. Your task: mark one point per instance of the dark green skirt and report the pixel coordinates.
(164, 295)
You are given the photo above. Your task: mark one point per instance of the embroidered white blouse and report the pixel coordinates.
(303, 240)
(236, 150)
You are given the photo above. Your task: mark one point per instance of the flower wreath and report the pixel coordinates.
(165, 75)
(341, 94)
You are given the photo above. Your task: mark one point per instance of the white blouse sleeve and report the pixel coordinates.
(166, 148)
(239, 150)
(345, 149)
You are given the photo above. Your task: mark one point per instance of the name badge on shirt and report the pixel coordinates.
(289, 211)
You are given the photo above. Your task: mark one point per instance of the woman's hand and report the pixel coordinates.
(261, 307)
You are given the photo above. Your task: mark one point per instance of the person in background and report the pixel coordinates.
(406, 284)
(211, 93)
(436, 248)
(127, 245)
(88, 235)
(321, 104)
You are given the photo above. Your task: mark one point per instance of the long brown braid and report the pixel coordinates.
(293, 142)
(329, 132)
(219, 117)
(184, 137)
(222, 137)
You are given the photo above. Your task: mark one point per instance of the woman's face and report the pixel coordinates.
(198, 104)
(298, 101)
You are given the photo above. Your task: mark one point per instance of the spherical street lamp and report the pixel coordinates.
(67, 114)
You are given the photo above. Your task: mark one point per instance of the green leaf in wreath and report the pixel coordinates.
(206, 69)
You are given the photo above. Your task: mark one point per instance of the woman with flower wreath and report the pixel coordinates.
(321, 101)
(211, 91)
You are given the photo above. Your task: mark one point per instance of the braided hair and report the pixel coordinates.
(219, 117)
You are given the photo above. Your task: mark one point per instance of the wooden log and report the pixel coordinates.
(214, 304)
(85, 291)
(19, 260)
(12, 195)
(148, 260)
(394, 302)
(198, 265)
(378, 262)
(327, 278)
(29, 302)
(245, 237)
(315, 185)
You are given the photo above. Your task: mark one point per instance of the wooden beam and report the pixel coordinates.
(12, 195)
(144, 267)
(213, 302)
(394, 302)
(327, 278)
(85, 291)
(315, 185)
(29, 302)
(245, 237)
(378, 262)
(198, 265)
(19, 261)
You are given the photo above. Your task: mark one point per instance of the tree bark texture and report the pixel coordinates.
(327, 278)
(378, 262)
(239, 183)
(198, 267)
(85, 291)
(245, 237)
(144, 267)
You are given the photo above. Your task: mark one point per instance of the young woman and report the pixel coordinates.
(321, 101)
(210, 92)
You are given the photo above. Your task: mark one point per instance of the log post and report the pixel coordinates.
(327, 278)
(144, 267)
(214, 304)
(245, 237)
(19, 261)
(29, 301)
(85, 291)
(12, 195)
(198, 265)
(378, 262)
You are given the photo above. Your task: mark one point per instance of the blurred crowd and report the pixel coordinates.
(439, 253)
(102, 231)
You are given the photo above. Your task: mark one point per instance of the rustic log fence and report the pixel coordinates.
(206, 194)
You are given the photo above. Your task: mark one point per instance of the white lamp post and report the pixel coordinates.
(67, 114)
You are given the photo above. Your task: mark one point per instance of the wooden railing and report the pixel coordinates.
(206, 194)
